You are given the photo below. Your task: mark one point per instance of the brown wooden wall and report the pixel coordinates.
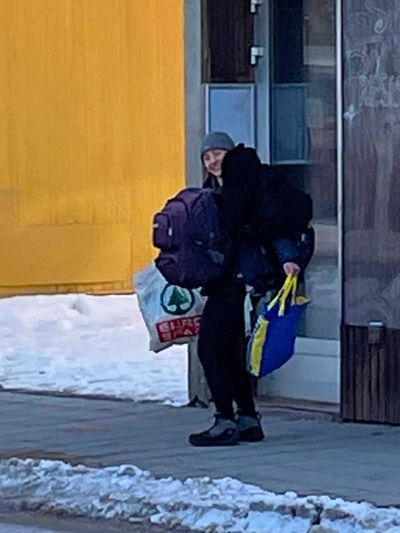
(370, 376)
(370, 390)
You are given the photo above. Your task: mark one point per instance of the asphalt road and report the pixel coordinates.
(36, 523)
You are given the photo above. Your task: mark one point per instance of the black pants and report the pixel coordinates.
(221, 350)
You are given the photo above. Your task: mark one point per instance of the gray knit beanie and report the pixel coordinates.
(216, 140)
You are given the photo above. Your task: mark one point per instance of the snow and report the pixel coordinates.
(226, 505)
(87, 345)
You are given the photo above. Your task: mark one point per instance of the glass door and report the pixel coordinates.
(297, 130)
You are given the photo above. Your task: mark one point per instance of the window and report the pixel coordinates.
(303, 86)
(227, 27)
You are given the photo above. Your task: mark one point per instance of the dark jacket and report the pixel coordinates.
(212, 183)
(262, 246)
(251, 189)
(258, 264)
(232, 274)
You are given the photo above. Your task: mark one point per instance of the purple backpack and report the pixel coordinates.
(188, 233)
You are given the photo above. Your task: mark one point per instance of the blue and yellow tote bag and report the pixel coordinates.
(272, 342)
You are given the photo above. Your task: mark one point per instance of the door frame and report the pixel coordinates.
(196, 127)
(340, 154)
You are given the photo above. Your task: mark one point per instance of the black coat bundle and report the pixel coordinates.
(267, 219)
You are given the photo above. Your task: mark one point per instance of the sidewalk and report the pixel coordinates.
(308, 456)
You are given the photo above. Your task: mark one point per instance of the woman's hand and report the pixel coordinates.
(291, 269)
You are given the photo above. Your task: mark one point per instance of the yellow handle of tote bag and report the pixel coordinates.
(290, 286)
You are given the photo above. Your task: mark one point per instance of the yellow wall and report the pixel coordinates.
(91, 138)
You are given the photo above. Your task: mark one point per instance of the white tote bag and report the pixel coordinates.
(172, 314)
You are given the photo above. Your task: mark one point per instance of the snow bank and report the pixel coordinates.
(224, 505)
(81, 344)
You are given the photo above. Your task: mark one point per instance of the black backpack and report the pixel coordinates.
(262, 198)
(284, 210)
(282, 206)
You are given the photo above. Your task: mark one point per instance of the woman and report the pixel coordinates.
(221, 346)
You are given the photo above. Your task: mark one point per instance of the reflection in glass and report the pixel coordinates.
(304, 80)
(372, 162)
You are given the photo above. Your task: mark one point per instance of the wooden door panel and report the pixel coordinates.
(370, 376)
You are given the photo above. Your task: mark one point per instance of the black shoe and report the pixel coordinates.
(250, 428)
(224, 432)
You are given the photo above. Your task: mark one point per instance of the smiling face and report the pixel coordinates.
(212, 160)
